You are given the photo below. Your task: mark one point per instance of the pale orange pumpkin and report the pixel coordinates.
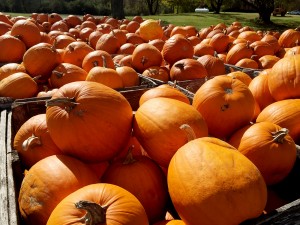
(150, 29)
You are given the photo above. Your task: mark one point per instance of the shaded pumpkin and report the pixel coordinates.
(33, 141)
(82, 102)
(157, 72)
(12, 49)
(214, 66)
(267, 61)
(53, 178)
(113, 204)
(269, 147)
(170, 222)
(18, 85)
(222, 171)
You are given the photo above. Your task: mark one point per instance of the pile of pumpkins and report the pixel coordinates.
(92, 159)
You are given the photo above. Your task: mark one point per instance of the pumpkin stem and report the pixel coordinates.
(144, 60)
(129, 157)
(190, 134)
(104, 61)
(95, 63)
(95, 213)
(67, 103)
(179, 65)
(279, 136)
(31, 142)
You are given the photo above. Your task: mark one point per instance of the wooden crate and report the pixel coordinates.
(12, 172)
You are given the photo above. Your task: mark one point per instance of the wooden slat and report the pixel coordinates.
(4, 204)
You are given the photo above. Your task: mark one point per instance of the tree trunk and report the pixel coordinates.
(216, 5)
(264, 9)
(117, 9)
(153, 6)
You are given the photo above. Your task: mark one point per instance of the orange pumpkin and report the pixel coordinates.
(237, 52)
(102, 204)
(53, 178)
(96, 58)
(27, 31)
(165, 91)
(170, 222)
(140, 176)
(11, 68)
(12, 49)
(144, 56)
(208, 169)
(226, 105)
(65, 73)
(82, 102)
(203, 49)
(244, 77)
(18, 85)
(157, 128)
(214, 66)
(157, 72)
(129, 76)
(289, 38)
(269, 147)
(109, 43)
(33, 142)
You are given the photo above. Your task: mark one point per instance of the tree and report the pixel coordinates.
(263, 7)
(153, 6)
(117, 9)
(216, 5)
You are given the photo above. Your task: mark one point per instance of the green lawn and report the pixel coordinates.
(200, 20)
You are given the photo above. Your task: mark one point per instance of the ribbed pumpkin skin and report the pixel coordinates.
(285, 113)
(48, 182)
(289, 38)
(226, 104)
(123, 207)
(209, 180)
(18, 85)
(274, 159)
(11, 68)
(238, 52)
(157, 128)
(144, 179)
(35, 126)
(96, 128)
(283, 80)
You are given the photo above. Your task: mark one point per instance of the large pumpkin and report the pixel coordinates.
(211, 183)
(226, 105)
(269, 147)
(99, 204)
(89, 120)
(48, 182)
(157, 127)
(283, 80)
(150, 29)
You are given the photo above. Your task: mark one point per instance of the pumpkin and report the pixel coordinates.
(249, 35)
(128, 75)
(48, 182)
(177, 47)
(284, 113)
(157, 72)
(157, 127)
(120, 35)
(40, 60)
(144, 56)
(237, 52)
(170, 222)
(247, 63)
(134, 38)
(75, 52)
(269, 147)
(132, 26)
(4, 27)
(27, 31)
(203, 49)
(209, 177)
(261, 48)
(158, 43)
(187, 69)
(96, 58)
(143, 178)
(93, 38)
(65, 73)
(108, 43)
(73, 20)
(226, 105)
(12, 49)
(267, 61)
(89, 120)
(18, 85)
(220, 42)
(33, 142)
(11, 68)
(289, 38)
(272, 40)
(283, 80)
(126, 48)
(165, 91)
(62, 41)
(244, 77)
(101, 204)
(150, 29)
(213, 65)
(260, 89)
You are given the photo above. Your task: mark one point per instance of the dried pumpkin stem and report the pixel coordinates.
(190, 134)
(30, 142)
(279, 136)
(129, 157)
(67, 103)
(104, 61)
(95, 213)
(58, 74)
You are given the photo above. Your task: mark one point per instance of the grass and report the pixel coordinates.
(201, 20)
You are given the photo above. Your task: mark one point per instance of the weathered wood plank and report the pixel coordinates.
(4, 204)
